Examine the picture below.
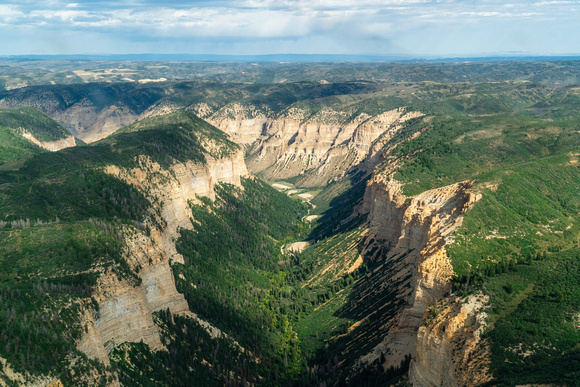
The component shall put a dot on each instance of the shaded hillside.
(70, 235)
(523, 228)
(86, 108)
(523, 231)
(31, 120)
(26, 131)
(34, 188)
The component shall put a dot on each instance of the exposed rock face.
(176, 187)
(450, 351)
(125, 313)
(245, 124)
(91, 111)
(320, 146)
(91, 124)
(52, 146)
(413, 232)
(316, 145)
(10, 374)
(125, 310)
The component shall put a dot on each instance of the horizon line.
(297, 58)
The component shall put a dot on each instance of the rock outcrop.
(245, 124)
(315, 145)
(172, 189)
(312, 143)
(413, 232)
(9, 377)
(90, 111)
(450, 350)
(90, 124)
(52, 146)
(125, 308)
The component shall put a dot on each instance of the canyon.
(395, 248)
(410, 232)
(413, 234)
(125, 309)
(314, 146)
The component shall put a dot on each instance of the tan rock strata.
(125, 310)
(414, 231)
(450, 350)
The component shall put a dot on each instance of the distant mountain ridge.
(300, 58)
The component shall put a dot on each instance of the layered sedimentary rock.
(124, 314)
(316, 145)
(125, 308)
(245, 124)
(173, 189)
(90, 124)
(450, 350)
(412, 232)
(91, 111)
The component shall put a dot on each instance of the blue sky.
(406, 27)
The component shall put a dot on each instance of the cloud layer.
(412, 27)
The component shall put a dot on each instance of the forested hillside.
(418, 225)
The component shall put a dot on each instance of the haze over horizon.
(261, 27)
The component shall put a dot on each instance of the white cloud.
(347, 25)
(10, 12)
(544, 3)
(62, 15)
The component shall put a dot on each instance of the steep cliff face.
(245, 124)
(90, 111)
(173, 189)
(450, 350)
(315, 145)
(413, 233)
(125, 308)
(91, 124)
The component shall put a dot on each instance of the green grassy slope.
(59, 226)
(234, 277)
(12, 121)
(519, 243)
(36, 123)
(13, 146)
(520, 142)
(516, 244)
(60, 217)
(34, 188)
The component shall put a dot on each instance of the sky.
(444, 28)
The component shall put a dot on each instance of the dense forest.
(290, 286)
